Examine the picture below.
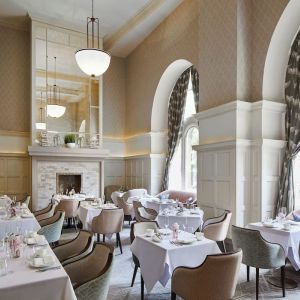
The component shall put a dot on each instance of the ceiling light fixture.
(54, 109)
(92, 61)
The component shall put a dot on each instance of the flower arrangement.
(175, 228)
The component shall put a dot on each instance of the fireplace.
(65, 182)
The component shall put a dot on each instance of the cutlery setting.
(48, 269)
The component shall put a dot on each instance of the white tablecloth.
(158, 260)
(157, 205)
(23, 282)
(4, 201)
(12, 225)
(187, 219)
(289, 240)
(86, 214)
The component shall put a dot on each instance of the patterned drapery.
(292, 125)
(195, 84)
(175, 116)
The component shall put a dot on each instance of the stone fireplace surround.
(47, 162)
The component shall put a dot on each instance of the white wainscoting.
(114, 171)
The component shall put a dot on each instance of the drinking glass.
(190, 229)
(282, 213)
(3, 266)
(166, 223)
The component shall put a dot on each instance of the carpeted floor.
(123, 268)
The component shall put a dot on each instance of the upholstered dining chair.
(90, 275)
(138, 228)
(27, 200)
(108, 190)
(258, 253)
(215, 278)
(70, 207)
(48, 212)
(127, 208)
(43, 210)
(74, 249)
(134, 193)
(51, 227)
(216, 228)
(109, 221)
(141, 213)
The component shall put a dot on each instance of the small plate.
(187, 241)
(270, 225)
(25, 216)
(42, 263)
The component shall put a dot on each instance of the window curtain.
(195, 84)
(286, 196)
(175, 115)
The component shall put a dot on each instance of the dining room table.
(289, 239)
(27, 281)
(158, 260)
(89, 210)
(185, 218)
(158, 204)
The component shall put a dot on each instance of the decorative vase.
(71, 145)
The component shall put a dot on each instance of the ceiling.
(123, 23)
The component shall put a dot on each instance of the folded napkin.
(296, 217)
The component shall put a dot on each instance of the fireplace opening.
(66, 182)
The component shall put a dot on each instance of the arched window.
(183, 168)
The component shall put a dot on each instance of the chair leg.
(98, 237)
(134, 274)
(119, 242)
(142, 287)
(283, 280)
(248, 273)
(74, 220)
(224, 247)
(257, 282)
(103, 238)
(173, 296)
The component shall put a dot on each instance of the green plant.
(69, 138)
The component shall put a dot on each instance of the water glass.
(166, 222)
(3, 266)
(190, 229)
(281, 213)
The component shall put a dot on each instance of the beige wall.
(14, 79)
(215, 35)
(114, 98)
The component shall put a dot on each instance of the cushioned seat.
(76, 248)
(258, 253)
(215, 279)
(90, 275)
(142, 213)
(70, 207)
(51, 227)
(127, 208)
(108, 190)
(48, 213)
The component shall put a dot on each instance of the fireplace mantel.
(68, 152)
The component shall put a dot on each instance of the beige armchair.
(127, 208)
(135, 193)
(43, 210)
(70, 207)
(109, 221)
(48, 213)
(108, 190)
(141, 213)
(216, 228)
(90, 275)
(76, 248)
(215, 279)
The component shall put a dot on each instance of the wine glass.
(166, 224)
(281, 213)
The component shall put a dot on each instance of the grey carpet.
(123, 269)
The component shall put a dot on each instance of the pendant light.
(41, 125)
(91, 60)
(54, 109)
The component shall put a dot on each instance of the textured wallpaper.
(114, 98)
(14, 79)
(227, 40)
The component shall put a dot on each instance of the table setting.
(160, 252)
(186, 218)
(28, 263)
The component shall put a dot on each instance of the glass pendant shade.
(93, 62)
(55, 111)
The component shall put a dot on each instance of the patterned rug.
(123, 269)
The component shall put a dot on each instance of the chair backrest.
(182, 196)
(139, 228)
(47, 214)
(74, 248)
(27, 200)
(136, 204)
(216, 229)
(257, 252)
(108, 221)
(145, 215)
(69, 207)
(216, 278)
(135, 193)
(92, 269)
(127, 208)
(44, 210)
(108, 190)
(51, 227)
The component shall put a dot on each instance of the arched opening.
(277, 56)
